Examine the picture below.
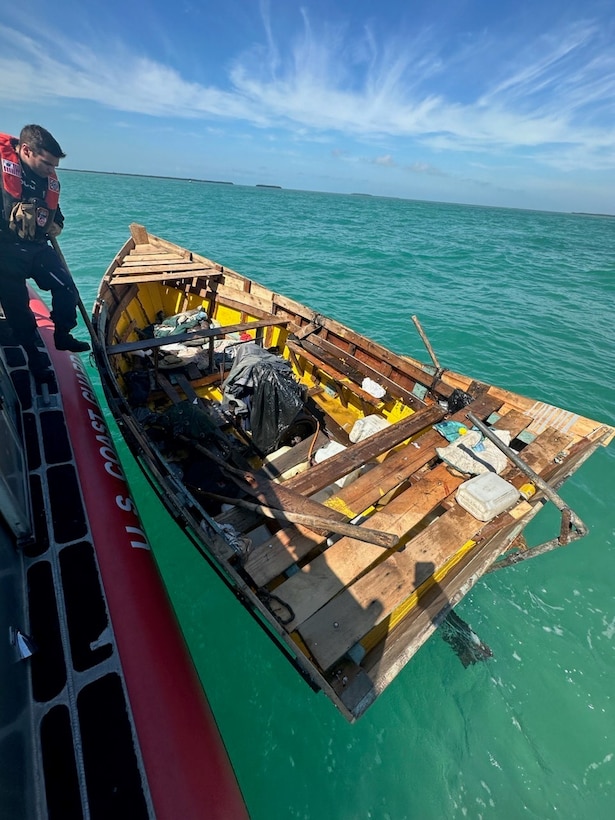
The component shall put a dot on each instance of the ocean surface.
(522, 299)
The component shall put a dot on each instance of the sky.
(488, 102)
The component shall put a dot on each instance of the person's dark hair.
(39, 139)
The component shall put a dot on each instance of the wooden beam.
(348, 617)
(344, 561)
(325, 473)
(287, 547)
(178, 338)
(382, 539)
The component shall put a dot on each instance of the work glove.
(23, 220)
(54, 230)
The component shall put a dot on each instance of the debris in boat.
(240, 543)
(367, 426)
(472, 453)
(373, 388)
(486, 496)
(262, 391)
(458, 399)
(139, 384)
(188, 420)
(451, 430)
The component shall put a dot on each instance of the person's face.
(42, 164)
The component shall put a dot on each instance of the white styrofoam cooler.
(486, 496)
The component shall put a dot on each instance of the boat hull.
(121, 723)
(352, 561)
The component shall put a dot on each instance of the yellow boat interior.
(340, 527)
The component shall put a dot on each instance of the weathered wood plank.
(145, 278)
(286, 548)
(334, 356)
(362, 370)
(343, 562)
(138, 259)
(208, 333)
(405, 364)
(325, 473)
(317, 582)
(343, 380)
(331, 631)
(399, 466)
(162, 266)
(236, 299)
(391, 655)
(280, 551)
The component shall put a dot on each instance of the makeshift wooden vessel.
(103, 714)
(350, 561)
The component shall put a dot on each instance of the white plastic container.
(486, 496)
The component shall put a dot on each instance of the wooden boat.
(92, 724)
(308, 463)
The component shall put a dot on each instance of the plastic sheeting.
(261, 388)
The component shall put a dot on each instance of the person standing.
(31, 216)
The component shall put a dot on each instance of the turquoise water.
(519, 298)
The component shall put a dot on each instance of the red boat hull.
(186, 765)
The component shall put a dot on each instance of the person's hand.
(54, 230)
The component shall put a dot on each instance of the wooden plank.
(328, 524)
(389, 656)
(239, 300)
(369, 488)
(317, 582)
(345, 560)
(337, 626)
(208, 333)
(139, 234)
(155, 260)
(189, 390)
(167, 387)
(280, 551)
(376, 351)
(336, 358)
(339, 465)
(284, 550)
(172, 267)
(280, 497)
(363, 369)
(146, 278)
(342, 380)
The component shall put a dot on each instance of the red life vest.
(12, 189)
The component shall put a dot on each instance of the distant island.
(159, 176)
(354, 193)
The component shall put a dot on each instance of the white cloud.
(552, 104)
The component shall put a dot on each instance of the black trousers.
(20, 261)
